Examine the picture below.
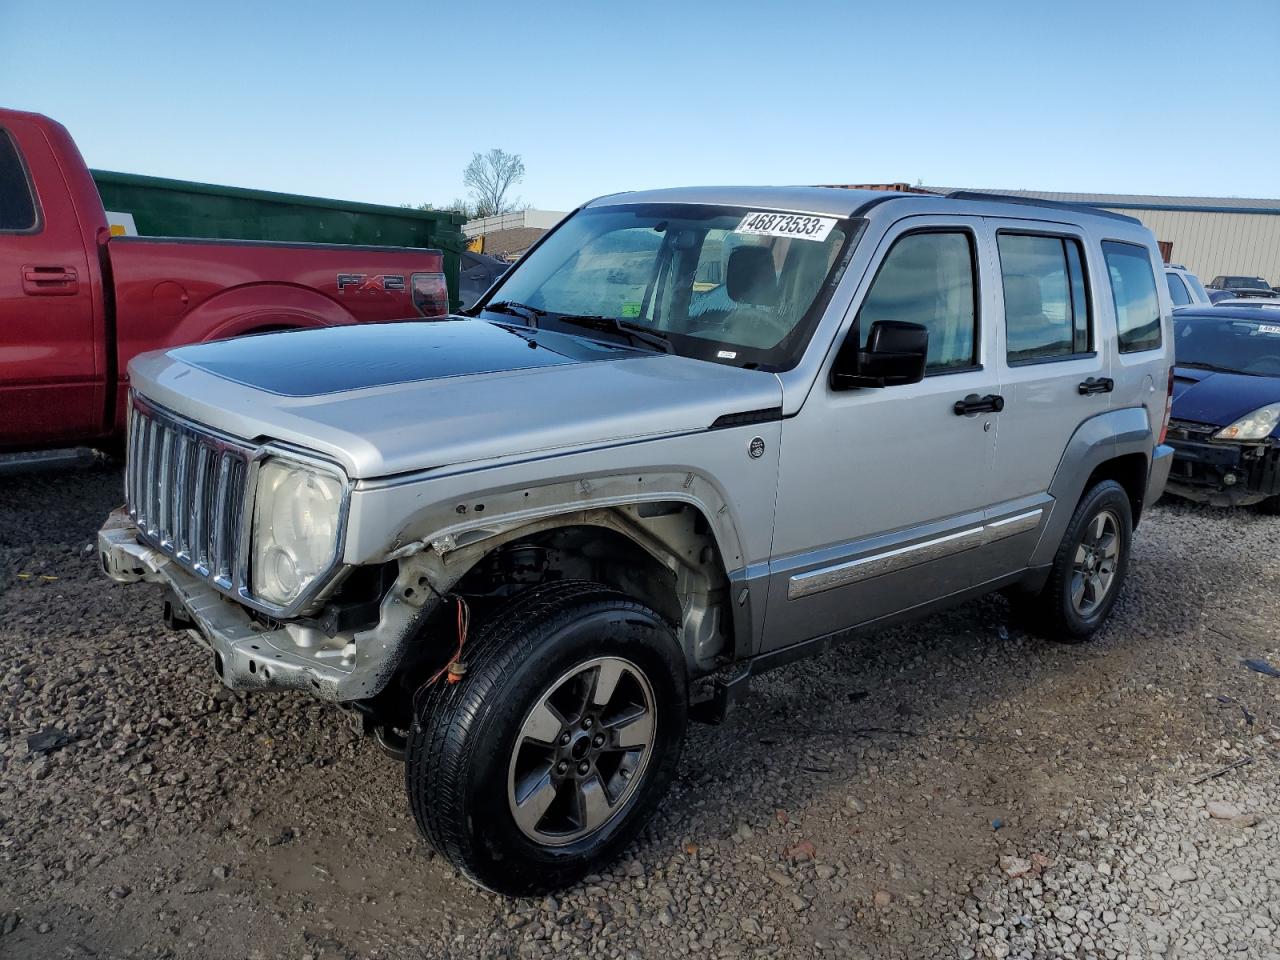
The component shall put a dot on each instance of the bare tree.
(489, 177)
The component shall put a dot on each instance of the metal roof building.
(1208, 235)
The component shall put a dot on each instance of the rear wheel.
(557, 745)
(1088, 570)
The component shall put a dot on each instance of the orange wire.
(464, 622)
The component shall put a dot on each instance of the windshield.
(725, 284)
(1231, 345)
(1246, 283)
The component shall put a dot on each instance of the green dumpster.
(161, 207)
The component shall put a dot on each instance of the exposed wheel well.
(581, 552)
(662, 553)
(1130, 471)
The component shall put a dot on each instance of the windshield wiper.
(636, 331)
(515, 309)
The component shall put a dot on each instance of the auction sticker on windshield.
(796, 225)
(1268, 328)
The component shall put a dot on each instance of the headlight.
(1256, 426)
(295, 528)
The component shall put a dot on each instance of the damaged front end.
(245, 539)
(296, 577)
(1222, 473)
(345, 651)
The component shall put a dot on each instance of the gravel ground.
(954, 788)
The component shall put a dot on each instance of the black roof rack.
(1033, 202)
(883, 195)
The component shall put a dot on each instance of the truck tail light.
(1168, 408)
(430, 294)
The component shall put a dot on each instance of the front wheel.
(1088, 569)
(557, 745)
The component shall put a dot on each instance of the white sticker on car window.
(798, 225)
(1268, 328)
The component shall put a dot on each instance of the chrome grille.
(185, 489)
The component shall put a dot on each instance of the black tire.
(460, 751)
(1053, 613)
(1270, 507)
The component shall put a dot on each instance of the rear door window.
(17, 206)
(1133, 290)
(1045, 306)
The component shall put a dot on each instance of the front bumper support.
(247, 654)
(1223, 473)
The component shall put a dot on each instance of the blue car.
(1225, 427)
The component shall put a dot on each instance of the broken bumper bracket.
(247, 655)
(1225, 474)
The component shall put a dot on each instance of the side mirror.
(895, 355)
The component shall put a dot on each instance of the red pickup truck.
(76, 303)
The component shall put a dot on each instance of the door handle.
(991, 403)
(50, 281)
(1096, 385)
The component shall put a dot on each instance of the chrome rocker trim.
(890, 561)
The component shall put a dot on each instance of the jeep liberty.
(694, 434)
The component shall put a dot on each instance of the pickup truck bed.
(77, 304)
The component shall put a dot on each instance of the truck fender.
(1116, 433)
(255, 307)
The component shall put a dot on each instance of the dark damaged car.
(1225, 429)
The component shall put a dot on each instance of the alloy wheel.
(1094, 566)
(581, 751)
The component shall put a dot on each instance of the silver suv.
(693, 435)
(1185, 288)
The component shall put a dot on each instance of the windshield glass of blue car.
(725, 284)
(1229, 345)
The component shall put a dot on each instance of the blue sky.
(386, 101)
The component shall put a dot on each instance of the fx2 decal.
(393, 282)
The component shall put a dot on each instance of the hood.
(1252, 293)
(1205, 396)
(385, 399)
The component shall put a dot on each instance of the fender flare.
(1104, 437)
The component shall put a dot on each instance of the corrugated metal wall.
(1209, 244)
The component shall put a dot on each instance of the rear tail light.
(430, 294)
(1168, 408)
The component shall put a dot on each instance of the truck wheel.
(554, 749)
(1088, 570)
